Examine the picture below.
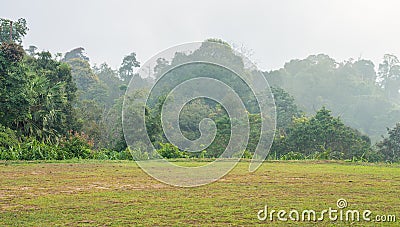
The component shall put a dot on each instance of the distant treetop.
(12, 31)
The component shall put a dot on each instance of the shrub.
(75, 145)
(247, 155)
(373, 156)
(293, 156)
(8, 138)
(9, 144)
(137, 154)
(125, 154)
(244, 154)
(32, 149)
(168, 150)
(100, 154)
(113, 155)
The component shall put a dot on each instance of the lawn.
(114, 193)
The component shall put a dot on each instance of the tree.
(127, 67)
(83, 76)
(365, 70)
(322, 135)
(90, 117)
(54, 94)
(161, 67)
(286, 109)
(389, 76)
(76, 53)
(389, 147)
(15, 95)
(12, 31)
(31, 50)
(197, 110)
(113, 132)
(191, 115)
(36, 93)
(348, 88)
(112, 83)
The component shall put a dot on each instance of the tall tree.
(76, 53)
(389, 147)
(36, 93)
(15, 96)
(389, 76)
(129, 63)
(286, 108)
(323, 134)
(31, 50)
(114, 86)
(12, 31)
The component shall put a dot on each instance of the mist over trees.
(59, 106)
(363, 98)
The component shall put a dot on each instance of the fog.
(272, 32)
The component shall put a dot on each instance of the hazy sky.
(275, 31)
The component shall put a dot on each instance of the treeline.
(61, 107)
(364, 98)
(58, 106)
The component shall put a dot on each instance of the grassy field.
(113, 193)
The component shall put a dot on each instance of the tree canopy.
(60, 106)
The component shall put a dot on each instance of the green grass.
(114, 193)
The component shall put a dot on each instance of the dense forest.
(59, 106)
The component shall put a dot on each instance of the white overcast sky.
(276, 31)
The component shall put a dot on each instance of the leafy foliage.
(168, 150)
(389, 147)
(319, 136)
(78, 53)
(36, 95)
(127, 67)
(286, 108)
(350, 89)
(389, 76)
(12, 31)
(76, 145)
(8, 143)
(54, 107)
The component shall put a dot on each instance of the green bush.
(104, 154)
(137, 154)
(168, 150)
(125, 155)
(244, 154)
(75, 145)
(113, 155)
(293, 156)
(10, 154)
(247, 155)
(373, 156)
(323, 154)
(32, 149)
(100, 154)
(9, 145)
(321, 136)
